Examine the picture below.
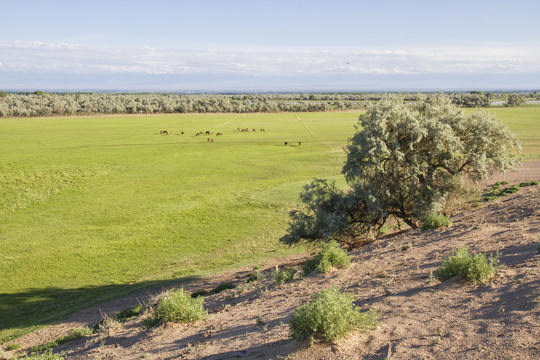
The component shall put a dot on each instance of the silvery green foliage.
(403, 162)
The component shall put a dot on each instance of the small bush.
(222, 287)
(434, 221)
(330, 315)
(332, 256)
(283, 276)
(476, 268)
(179, 306)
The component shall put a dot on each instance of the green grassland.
(96, 207)
(91, 204)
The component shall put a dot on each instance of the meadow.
(92, 208)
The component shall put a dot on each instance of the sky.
(269, 45)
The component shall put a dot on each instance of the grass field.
(90, 206)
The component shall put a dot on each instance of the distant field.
(525, 122)
(89, 205)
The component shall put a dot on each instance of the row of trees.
(40, 103)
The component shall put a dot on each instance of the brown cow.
(219, 134)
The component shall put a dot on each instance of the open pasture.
(91, 204)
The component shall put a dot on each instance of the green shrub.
(222, 287)
(434, 221)
(255, 276)
(200, 292)
(179, 306)
(332, 256)
(75, 334)
(283, 276)
(330, 315)
(476, 268)
(309, 265)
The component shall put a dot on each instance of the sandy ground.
(420, 317)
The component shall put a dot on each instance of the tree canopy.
(403, 162)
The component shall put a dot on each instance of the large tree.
(403, 162)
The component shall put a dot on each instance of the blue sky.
(237, 45)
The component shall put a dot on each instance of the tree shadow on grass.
(21, 311)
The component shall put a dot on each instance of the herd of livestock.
(208, 133)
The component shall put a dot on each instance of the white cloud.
(78, 59)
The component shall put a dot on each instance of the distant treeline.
(40, 103)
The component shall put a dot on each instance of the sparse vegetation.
(222, 287)
(496, 192)
(48, 355)
(435, 221)
(476, 268)
(178, 306)
(13, 346)
(121, 317)
(283, 276)
(528, 183)
(74, 334)
(330, 315)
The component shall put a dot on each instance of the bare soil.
(420, 317)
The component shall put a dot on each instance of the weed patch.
(475, 268)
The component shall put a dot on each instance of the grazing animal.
(208, 132)
(210, 140)
(262, 130)
(299, 143)
(286, 143)
(182, 133)
(199, 133)
(219, 134)
(253, 130)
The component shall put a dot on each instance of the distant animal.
(199, 133)
(210, 140)
(208, 132)
(286, 143)
(182, 133)
(219, 134)
(262, 130)
(299, 143)
(165, 132)
(253, 130)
